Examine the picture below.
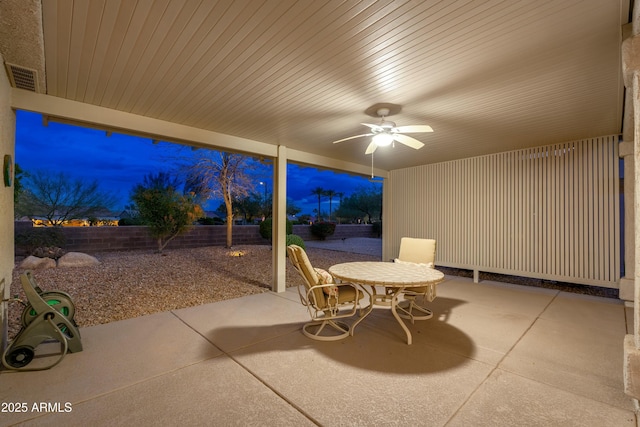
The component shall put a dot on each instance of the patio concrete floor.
(494, 354)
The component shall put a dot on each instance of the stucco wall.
(7, 147)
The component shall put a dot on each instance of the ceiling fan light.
(382, 139)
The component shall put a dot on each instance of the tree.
(365, 201)
(266, 206)
(292, 209)
(220, 174)
(318, 191)
(340, 196)
(250, 206)
(330, 194)
(166, 211)
(18, 188)
(58, 198)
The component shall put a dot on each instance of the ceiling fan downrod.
(371, 165)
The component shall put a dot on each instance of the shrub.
(322, 229)
(130, 221)
(210, 221)
(294, 239)
(266, 228)
(39, 237)
(167, 212)
(377, 228)
(52, 252)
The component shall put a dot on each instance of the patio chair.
(418, 251)
(325, 300)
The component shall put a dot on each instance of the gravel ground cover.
(136, 283)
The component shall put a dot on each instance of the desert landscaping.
(128, 284)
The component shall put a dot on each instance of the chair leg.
(408, 309)
(335, 330)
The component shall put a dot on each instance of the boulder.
(33, 262)
(77, 259)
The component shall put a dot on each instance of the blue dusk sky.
(119, 162)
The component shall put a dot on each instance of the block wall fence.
(100, 239)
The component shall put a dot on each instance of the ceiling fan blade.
(371, 148)
(408, 140)
(414, 129)
(376, 128)
(352, 137)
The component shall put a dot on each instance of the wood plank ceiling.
(488, 76)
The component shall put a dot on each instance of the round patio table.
(398, 276)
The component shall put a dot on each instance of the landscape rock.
(33, 263)
(77, 259)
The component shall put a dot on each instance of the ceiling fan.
(387, 132)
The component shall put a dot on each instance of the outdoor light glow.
(382, 139)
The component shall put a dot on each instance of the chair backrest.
(421, 251)
(300, 261)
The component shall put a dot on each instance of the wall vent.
(22, 77)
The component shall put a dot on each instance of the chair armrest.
(333, 302)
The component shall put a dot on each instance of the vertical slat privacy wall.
(549, 212)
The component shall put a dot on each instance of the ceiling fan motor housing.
(385, 126)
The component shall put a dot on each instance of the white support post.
(387, 198)
(279, 220)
